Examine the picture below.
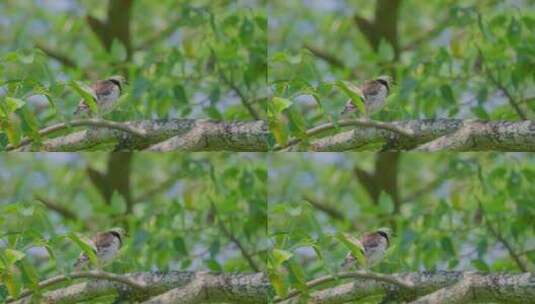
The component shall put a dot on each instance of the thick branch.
(208, 288)
(163, 135)
(100, 275)
(83, 122)
(363, 123)
(485, 288)
(435, 135)
(228, 287)
(362, 275)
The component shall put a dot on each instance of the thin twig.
(366, 123)
(66, 213)
(82, 122)
(240, 94)
(332, 212)
(501, 87)
(63, 59)
(329, 58)
(501, 239)
(237, 242)
(345, 275)
(76, 275)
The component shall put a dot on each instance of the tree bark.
(435, 287)
(157, 287)
(162, 135)
(435, 135)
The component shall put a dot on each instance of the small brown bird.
(106, 245)
(105, 92)
(375, 245)
(374, 95)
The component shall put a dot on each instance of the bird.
(375, 244)
(106, 246)
(374, 93)
(105, 93)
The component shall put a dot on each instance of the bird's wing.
(370, 88)
(371, 240)
(103, 88)
(104, 240)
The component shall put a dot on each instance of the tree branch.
(100, 275)
(207, 288)
(355, 275)
(325, 208)
(160, 135)
(365, 123)
(435, 135)
(82, 122)
(484, 287)
(66, 213)
(141, 286)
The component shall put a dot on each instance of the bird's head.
(120, 80)
(386, 80)
(120, 231)
(386, 232)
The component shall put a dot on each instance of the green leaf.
(385, 51)
(278, 283)
(354, 245)
(118, 204)
(11, 125)
(298, 274)
(386, 205)
(13, 256)
(514, 31)
(118, 51)
(86, 245)
(354, 93)
(86, 93)
(447, 94)
(14, 104)
(30, 272)
(279, 104)
(280, 256)
(180, 94)
(480, 265)
(12, 283)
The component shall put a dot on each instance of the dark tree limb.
(325, 208)
(116, 25)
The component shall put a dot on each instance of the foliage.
(181, 205)
(466, 61)
(200, 59)
(450, 204)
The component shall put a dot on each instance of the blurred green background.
(182, 211)
(449, 59)
(448, 211)
(194, 59)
